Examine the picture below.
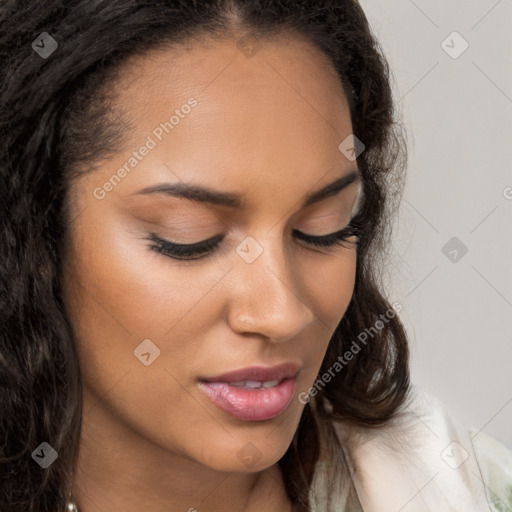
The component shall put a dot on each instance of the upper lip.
(257, 373)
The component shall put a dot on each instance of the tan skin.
(266, 127)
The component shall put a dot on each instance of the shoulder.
(424, 460)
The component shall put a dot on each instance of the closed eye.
(200, 250)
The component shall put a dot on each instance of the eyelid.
(199, 245)
(218, 238)
(204, 249)
(320, 237)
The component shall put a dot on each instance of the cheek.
(331, 280)
(118, 293)
(136, 289)
(330, 287)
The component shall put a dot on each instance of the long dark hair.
(56, 118)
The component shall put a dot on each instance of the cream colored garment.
(495, 461)
(425, 461)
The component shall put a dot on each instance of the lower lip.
(251, 404)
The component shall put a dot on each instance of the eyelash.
(200, 250)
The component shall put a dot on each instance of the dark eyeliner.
(340, 237)
(202, 249)
(184, 252)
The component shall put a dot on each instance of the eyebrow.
(207, 195)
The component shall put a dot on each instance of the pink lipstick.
(253, 394)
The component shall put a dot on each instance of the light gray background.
(457, 113)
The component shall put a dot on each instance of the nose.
(266, 295)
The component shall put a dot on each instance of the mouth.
(255, 393)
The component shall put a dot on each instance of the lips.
(253, 394)
(256, 374)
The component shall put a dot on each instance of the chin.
(246, 456)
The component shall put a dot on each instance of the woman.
(196, 198)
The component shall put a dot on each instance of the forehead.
(274, 117)
(282, 73)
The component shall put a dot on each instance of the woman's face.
(261, 124)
